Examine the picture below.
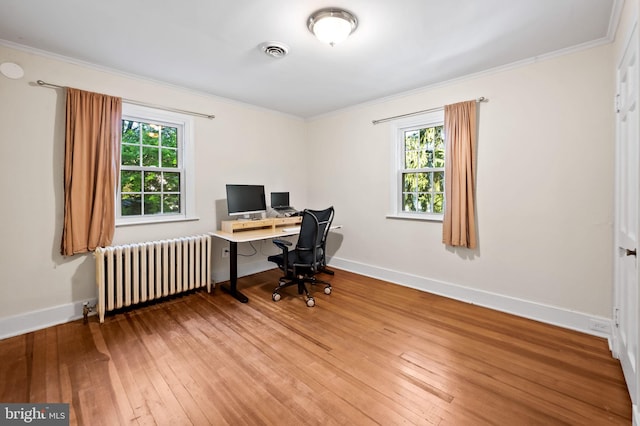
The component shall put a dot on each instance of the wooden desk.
(281, 227)
(236, 232)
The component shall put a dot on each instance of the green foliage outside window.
(423, 174)
(149, 153)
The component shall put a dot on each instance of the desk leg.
(233, 274)
(325, 270)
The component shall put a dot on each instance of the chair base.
(302, 288)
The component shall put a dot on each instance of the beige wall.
(544, 183)
(544, 186)
(243, 144)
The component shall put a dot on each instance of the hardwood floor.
(370, 353)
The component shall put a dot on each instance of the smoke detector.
(275, 49)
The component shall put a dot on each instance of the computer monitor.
(245, 200)
(279, 200)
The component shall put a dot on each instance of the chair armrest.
(282, 244)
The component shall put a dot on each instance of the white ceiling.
(212, 45)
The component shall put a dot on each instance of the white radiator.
(135, 273)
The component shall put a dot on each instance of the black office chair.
(301, 265)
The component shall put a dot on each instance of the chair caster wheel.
(327, 290)
(275, 297)
(310, 302)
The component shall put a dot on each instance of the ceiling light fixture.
(332, 25)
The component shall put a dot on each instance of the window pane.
(427, 136)
(408, 203)
(439, 137)
(438, 158)
(152, 204)
(170, 137)
(423, 158)
(408, 182)
(169, 158)
(130, 131)
(150, 157)
(130, 181)
(131, 205)
(171, 203)
(438, 203)
(426, 159)
(424, 182)
(130, 155)
(424, 202)
(411, 160)
(152, 182)
(171, 182)
(411, 140)
(150, 134)
(438, 181)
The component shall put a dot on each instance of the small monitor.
(279, 200)
(245, 200)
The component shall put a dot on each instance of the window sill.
(420, 217)
(157, 221)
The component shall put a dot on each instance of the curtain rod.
(129, 101)
(424, 111)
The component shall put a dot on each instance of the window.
(155, 166)
(418, 167)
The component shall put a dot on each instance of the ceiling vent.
(275, 49)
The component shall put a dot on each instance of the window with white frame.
(418, 167)
(156, 166)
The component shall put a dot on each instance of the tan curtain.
(459, 226)
(91, 168)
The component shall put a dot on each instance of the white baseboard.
(37, 320)
(540, 312)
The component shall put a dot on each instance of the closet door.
(625, 334)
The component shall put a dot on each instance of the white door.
(626, 293)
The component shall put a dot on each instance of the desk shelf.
(273, 223)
